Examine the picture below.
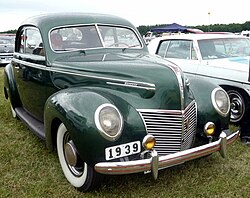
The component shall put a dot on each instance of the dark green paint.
(68, 87)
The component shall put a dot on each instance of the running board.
(36, 126)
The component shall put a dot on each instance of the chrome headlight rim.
(213, 98)
(99, 126)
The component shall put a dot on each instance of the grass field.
(28, 169)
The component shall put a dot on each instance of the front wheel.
(77, 172)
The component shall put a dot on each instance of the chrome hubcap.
(72, 159)
(237, 106)
(70, 153)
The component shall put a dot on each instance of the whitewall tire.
(81, 176)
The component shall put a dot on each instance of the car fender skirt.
(149, 165)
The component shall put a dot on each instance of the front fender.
(10, 88)
(202, 90)
(76, 107)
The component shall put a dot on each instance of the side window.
(207, 49)
(162, 48)
(180, 49)
(34, 44)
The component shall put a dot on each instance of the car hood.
(127, 66)
(235, 63)
(137, 72)
(233, 69)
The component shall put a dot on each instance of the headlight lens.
(221, 101)
(109, 121)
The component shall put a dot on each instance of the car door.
(29, 67)
(181, 52)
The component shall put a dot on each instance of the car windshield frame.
(93, 36)
(218, 48)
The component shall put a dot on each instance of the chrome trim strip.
(176, 112)
(34, 65)
(124, 26)
(120, 82)
(6, 54)
(97, 77)
(99, 34)
(178, 73)
(118, 168)
(224, 79)
(131, 84)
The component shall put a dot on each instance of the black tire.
(81, 176)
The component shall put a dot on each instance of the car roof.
(7, 34)
(200, 36)
(51, 20)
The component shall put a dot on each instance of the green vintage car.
(86, 84)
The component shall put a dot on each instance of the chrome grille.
(4, 56)
(174, 130)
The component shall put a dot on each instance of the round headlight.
(221, 101)
(108, 121)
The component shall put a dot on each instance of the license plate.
(122, 150)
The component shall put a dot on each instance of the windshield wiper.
(82, 51)
(131, 46)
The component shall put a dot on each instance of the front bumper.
(154, 163)
(5, 58)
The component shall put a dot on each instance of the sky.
(146, 12)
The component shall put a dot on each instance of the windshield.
(93, 36)
(224, 48)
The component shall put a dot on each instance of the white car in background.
(7, 42)
(220, 58)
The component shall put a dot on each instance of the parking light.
(149, 142)
(209, 128)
